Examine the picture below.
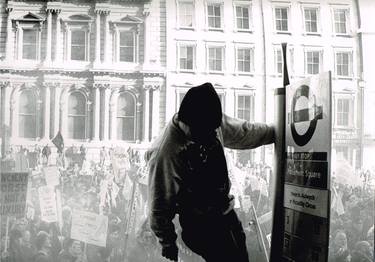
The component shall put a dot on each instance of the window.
(343, 112)
(278, 61)
(29, 44)
(77, 114)
(245, 111)
(343, 64)
(311, 20)
(126, 117)
(243, 17)
(127, 46)
(186, 57)
(342, 153)
(244, 60)
(340, 20)
(78, 45)
(281, 19)
(312, 62)
(215, 58)
(214, 15)
(186, 14)
(244, 107)
(27, 115)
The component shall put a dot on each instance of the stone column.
(146, 114)
(97, 37)
(47, 111)
(107, 44)
(146, 28)
(56, 117)
(112, 120)
(96, 113)
(105, 120)
(9, 55)
(58, 50)
(49, 36)
(4, 89)
(155, 112)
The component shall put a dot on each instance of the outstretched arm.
(240, 134)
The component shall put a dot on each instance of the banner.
(89, 227)
(13, 193)
(47, 200)
(308, 136)
(51, 174)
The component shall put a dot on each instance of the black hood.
(201, 108)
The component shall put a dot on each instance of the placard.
(47, 200)
(89, 227)
(13, 193)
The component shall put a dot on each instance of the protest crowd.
(81, 209)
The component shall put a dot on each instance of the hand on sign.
(231, 205)
(170, 252)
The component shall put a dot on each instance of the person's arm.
(241, 134)
(163, 189)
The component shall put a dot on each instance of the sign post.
(306, 201)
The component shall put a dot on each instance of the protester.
(189, 177)
(43, 246)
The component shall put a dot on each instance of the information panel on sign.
(307, 173)
(89, 227)
(13, 193)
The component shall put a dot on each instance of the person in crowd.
(43, 246)
(46, 152)
(15, 254)
(27, 249)
(362, 252)
(71, 252)
(339, 251)
(189, 176)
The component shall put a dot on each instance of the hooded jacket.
(168, 168)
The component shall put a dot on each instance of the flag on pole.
(58, 141)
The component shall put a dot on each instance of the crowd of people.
(115, 185)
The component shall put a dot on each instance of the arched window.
(77, 115)
(27, 115)
(126, 116)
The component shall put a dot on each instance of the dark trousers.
(215, 238)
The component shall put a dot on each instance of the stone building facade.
(92, 69)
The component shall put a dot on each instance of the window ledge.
(312, 34)
(215, 29)
(186, 71)
(343, 128)
(283, 32)
(342, 35)
(185, 28)
(338, 77)
(243, 30)
(239, 73)
(216, 72)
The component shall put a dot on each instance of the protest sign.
(51, 174)
(89, 227)
(308, 152)
(47, 199)
(13, 193)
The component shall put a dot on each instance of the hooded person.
(188, 176)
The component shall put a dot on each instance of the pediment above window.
(127, 21)
(29, 20)
(79, 18)
(30, 17)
